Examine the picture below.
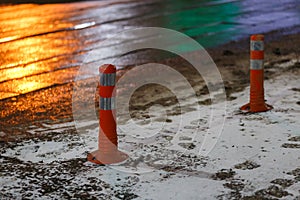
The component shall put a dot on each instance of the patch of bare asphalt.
(293, 143)
(295, 139)
(283, 182)
(224, 174)
(296, 173)
(272, 191)
(291, 146)
(233, 184)
(296, 89)
(247, 165)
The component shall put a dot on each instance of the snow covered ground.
(256, 156)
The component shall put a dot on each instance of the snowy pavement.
(256, 156)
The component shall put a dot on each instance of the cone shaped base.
(102, 158)
(253, 109)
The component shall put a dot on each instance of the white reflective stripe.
(256, 64)
(108, 79)
(256, 45)
(107, 103)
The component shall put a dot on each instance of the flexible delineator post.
(257, 100)
(107, 152)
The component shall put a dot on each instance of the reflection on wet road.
(43, 45)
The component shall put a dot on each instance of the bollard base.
(101, 158)
(254, 109)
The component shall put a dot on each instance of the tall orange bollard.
(107, 152)
(257, 100)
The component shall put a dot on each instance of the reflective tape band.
(256, 64)
(256, 45)
(107, 103)
(107, 79)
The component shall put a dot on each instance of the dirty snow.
(256, 155)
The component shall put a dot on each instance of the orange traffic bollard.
(107, 152)
(257, 100)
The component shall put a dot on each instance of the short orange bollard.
(257, 100)
(107, 152)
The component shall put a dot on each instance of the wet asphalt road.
(42, 46)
